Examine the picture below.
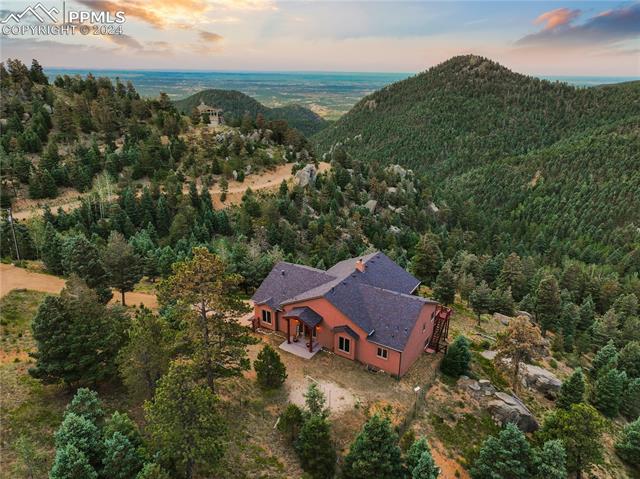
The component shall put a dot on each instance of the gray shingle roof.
(307, 315)
(377, 299)
(287, 280)
(346, 329)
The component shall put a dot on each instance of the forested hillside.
(64, 135)
(529, 165)
(236, 105)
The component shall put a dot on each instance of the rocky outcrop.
(306, 176)
(509, 409)
(371, 205)
(502, 318)
(540, 379)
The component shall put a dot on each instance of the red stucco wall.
(361, 350)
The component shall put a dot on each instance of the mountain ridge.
(235, 104)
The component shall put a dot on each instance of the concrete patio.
(300, 349)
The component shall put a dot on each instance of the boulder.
(306, 175)
(540, 379)
(371, 205)
(393, 229)
(433, 207)
(509, 409)
(502, 318)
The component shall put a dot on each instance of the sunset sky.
(544, 38)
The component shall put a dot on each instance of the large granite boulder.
(371, 205)
(540, 379)
(509, 409)
(502, 318)
(306, 175)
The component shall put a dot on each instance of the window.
(424, 327)
(266, 317)
(383, 353)
(344, 344)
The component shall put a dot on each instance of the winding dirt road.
(269, 180)
(12, 277)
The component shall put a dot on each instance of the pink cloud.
(556, 18)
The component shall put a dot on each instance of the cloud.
(124, 41)
(210, 36)
(162, 14)
(556, 18)
(603, 30)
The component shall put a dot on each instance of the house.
(363, 309)
(215, 114)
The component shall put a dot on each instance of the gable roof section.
(388, 317)
(380, 271)
(305, 314)
(287, 280)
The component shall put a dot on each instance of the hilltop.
(503, 149)
(236, 104)
(468, 111)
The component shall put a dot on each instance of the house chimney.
(360, 266)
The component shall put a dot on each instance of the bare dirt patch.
(12, 277)
(339, 399)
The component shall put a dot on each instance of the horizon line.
(343, 72)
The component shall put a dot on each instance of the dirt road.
(70, 199)
(12, 277)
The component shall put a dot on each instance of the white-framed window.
(424, 327)
(344, 344)
(266, 316)
(383, 353)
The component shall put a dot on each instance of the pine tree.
(184, 423)
(481, 299)
(580, 429)
(121, 263)
(70, 463)
(630, 406)
(628, 445)
(445, 287)
(548, 303)
(551, 461)
(572, 390)
(147, 354)
(270, 370)
(629, 359)
(121, 423)
(220, 341)
(605, 358)
(507, 456)
(315, 401)
(419, 462)
(426, 468)
(151, 470)
(86, 404)
(81, 257)
(512, 276)
(607, 393)
(52, 250)
(291, 421)
(163, 221)
(374, 453)
(121, 459)
(456, 361)
(315, 448)
(71, 348)
(587, 315)
(81, 433)
(427, 260)
(414, 453)
(502, 302)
